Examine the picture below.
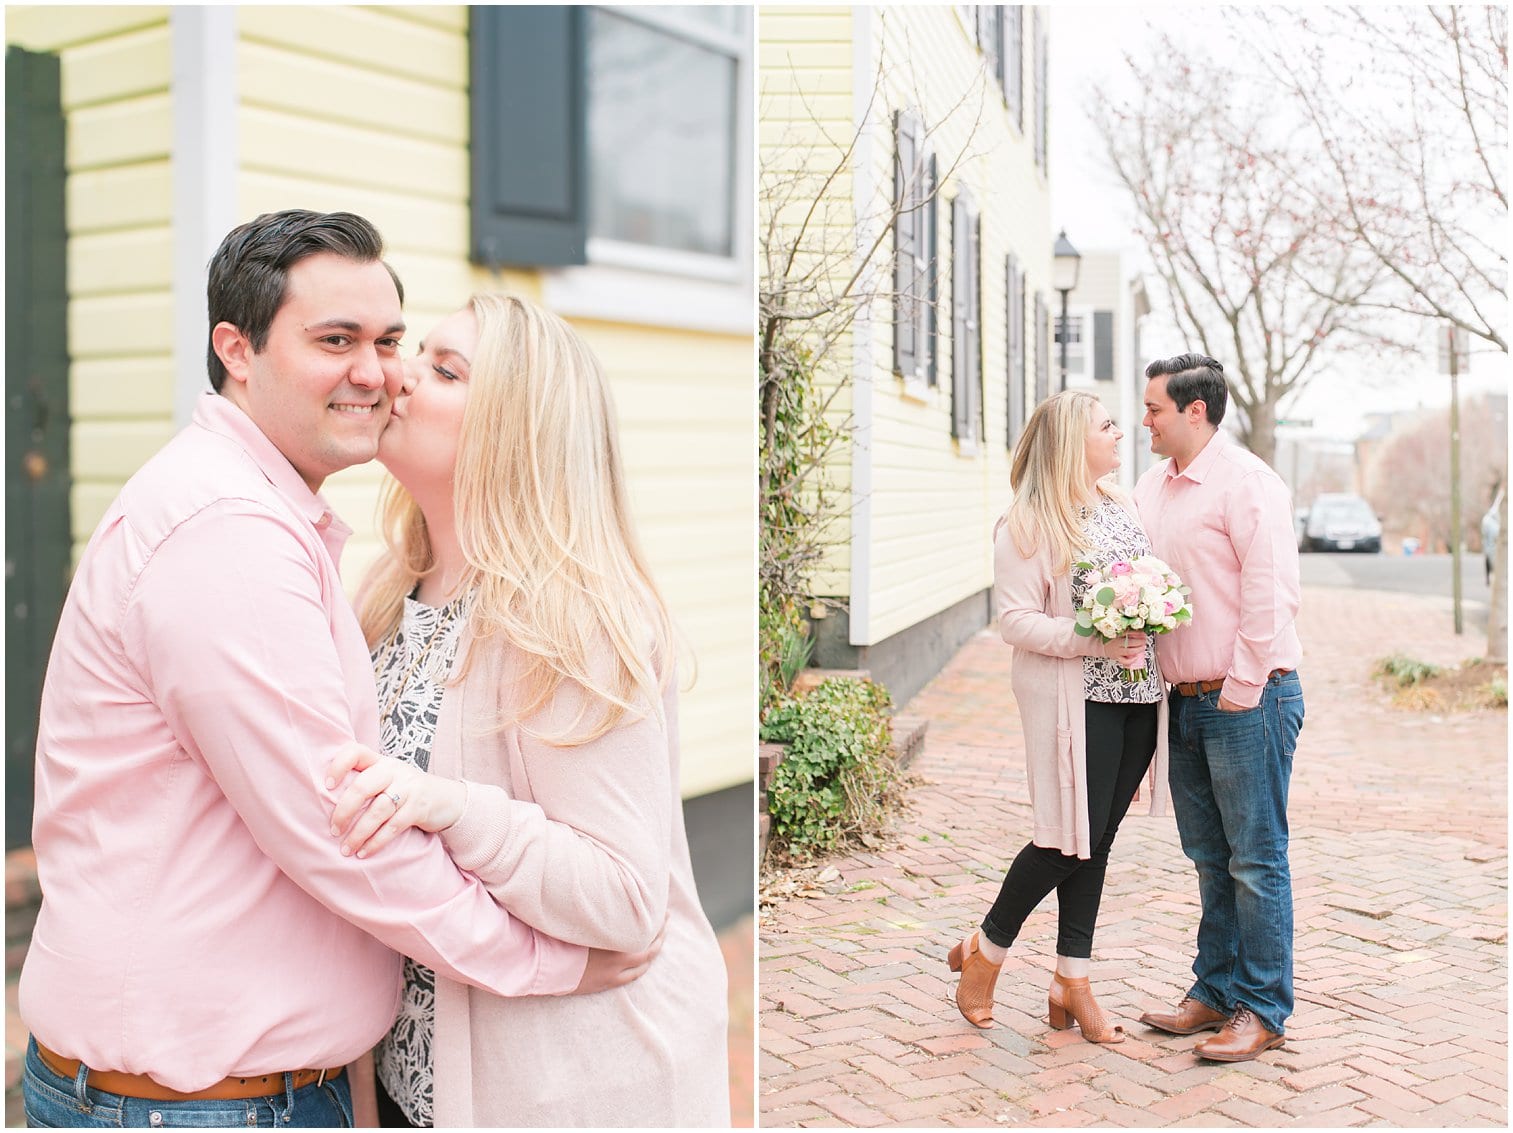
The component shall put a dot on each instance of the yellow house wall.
(932, 501)
(805, 123)
(366, 109)
(115, 69)
(935, 500)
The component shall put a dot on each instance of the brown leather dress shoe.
(1189, 1018)
(1242, 1039)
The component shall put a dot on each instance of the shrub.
(838, 777)
(1405, 670)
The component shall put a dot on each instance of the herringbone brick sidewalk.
(1399, 857)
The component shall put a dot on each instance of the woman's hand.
(367, 813)
(1129, 650)
(605, 970)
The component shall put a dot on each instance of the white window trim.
(626, 295)
(642, 283)
(920, 390)
(1084, 319)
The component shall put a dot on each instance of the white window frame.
(1082, 319)
(640, 283)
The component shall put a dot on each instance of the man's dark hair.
(1193, 377)
(249, 272)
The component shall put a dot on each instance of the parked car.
(1341, 522)
(1300, 527)
(1490, 523)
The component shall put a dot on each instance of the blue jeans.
(1229, 773)
(53, 1101)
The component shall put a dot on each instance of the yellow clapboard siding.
(113, 450)
(416, 223)
(775, 58)
(54, 27)
(365, 37)
(323, 150)
(136, 259)
(435, 286)
(931, 504)
(88, 500)
(447, 17)
(810, 25)
(730, 749)
(391, 105)
(120, 132)
(128, 65)
(105, 325)
(127, 196)
(122, 387)
(831, 108)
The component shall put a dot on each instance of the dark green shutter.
(932, 280)
(1042, 352)
(1103, 345)
(907, 232)
(529, 135)
(1014, 339)
(37, 528)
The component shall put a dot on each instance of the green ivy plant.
(838, 776)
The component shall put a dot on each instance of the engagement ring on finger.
(395, 797)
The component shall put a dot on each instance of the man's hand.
(606, 969)
(1227, 705)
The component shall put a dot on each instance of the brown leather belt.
(1193, 688)
(141, 1086)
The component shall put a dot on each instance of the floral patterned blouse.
(1111, 533)
(411, 669)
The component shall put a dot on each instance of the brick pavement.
(1399, 855)
(737, 944)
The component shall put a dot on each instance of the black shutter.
(990, 37)
(1013, 70)
(907, 234)
(932, 279)
(1038, 66)
(961, 238)
(1014, 338)
(528, 100)
(38, 540)
(974, 329)
(1043, 85)
(1103, 346)
(1042, 352)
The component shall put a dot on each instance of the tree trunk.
(1497, 616)
(1262, 439)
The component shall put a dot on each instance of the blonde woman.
(1090, 734)
(525, 668)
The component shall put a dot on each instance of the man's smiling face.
(321, 387)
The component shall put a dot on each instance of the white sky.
(1087, 47)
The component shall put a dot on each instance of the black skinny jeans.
(1121, 740)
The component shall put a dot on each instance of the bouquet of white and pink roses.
(1132, 594)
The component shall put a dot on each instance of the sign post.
(1453, 348)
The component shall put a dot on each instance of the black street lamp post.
(1067, 265)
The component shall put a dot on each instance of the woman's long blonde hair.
(1049, 475)
(544, 522)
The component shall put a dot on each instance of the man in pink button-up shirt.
(200, 926)
(1223, 520)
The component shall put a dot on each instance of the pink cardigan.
(1035, 616)
(586, 844)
